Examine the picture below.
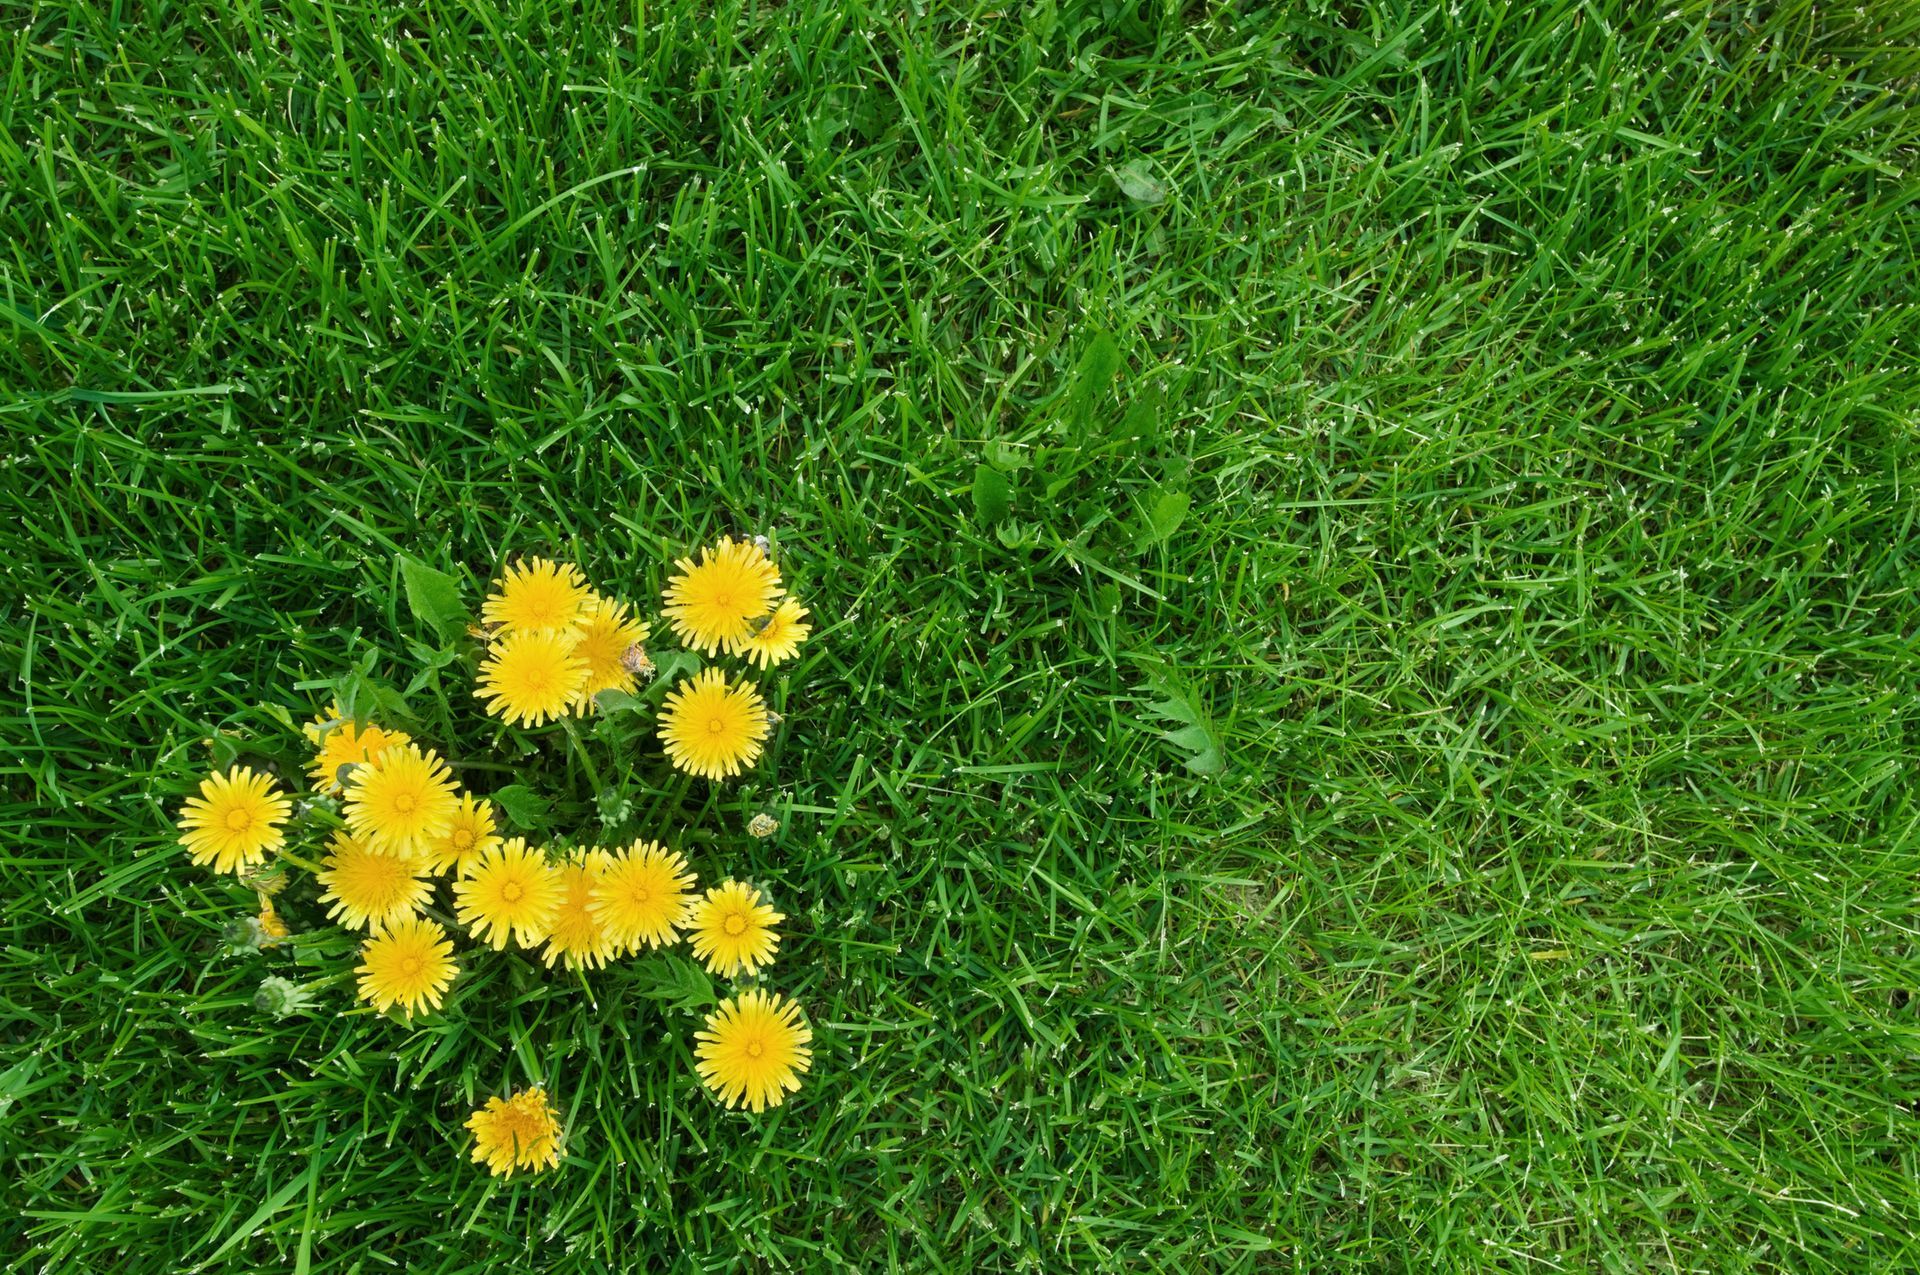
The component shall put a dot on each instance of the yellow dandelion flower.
(535, 594)
(531, 677)
(607, 633)
(470, 835)
(511, 890)
(409, 965)
(339, 743)
(234, 821)
(521, 1131)
(715, 603)
(754, 1050)
(712, 728)
(577, 931)
(779, 638)
(733, 930)
(401, 801)
(643, 894)
(369, 891)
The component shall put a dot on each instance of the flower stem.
(580, 751)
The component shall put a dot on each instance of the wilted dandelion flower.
(401, 801)
(511, 891)
(272, 929)
(265, 882)
(733, 930)
(234, 821)
(469, 835)
(339, 742)
(779, 638)
(532, 677)
(369, 891)
(535, 594)
(410, 965)
(754, 1050)
(607, 633)
(642, 895)
(762, 825)
(577, 931)
(715, 603)
(246, 934)
(521, 1131)
(711, 728)
(637, 662)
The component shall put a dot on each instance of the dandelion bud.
(282, 999)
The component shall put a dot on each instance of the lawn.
(1365, 699)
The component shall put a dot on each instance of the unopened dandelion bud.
(281, 998)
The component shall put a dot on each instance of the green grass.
(1542, 384)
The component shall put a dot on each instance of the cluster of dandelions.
(406, 829)
(555, 646)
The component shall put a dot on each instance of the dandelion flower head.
(713, 604)
(754, 1050)
(607, 633)
(401, 801)
(733, 930)
(369, 891)
(576, 931)
(339, 743)
(712, 728)
(643, 895)
(779, 638)
(512, 892)
(535, 594)
(410, 964)
(235, 821)
(521, 1131)
(532, 677)
(469, 835)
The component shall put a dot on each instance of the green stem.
(580, 751)
(298, 861)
